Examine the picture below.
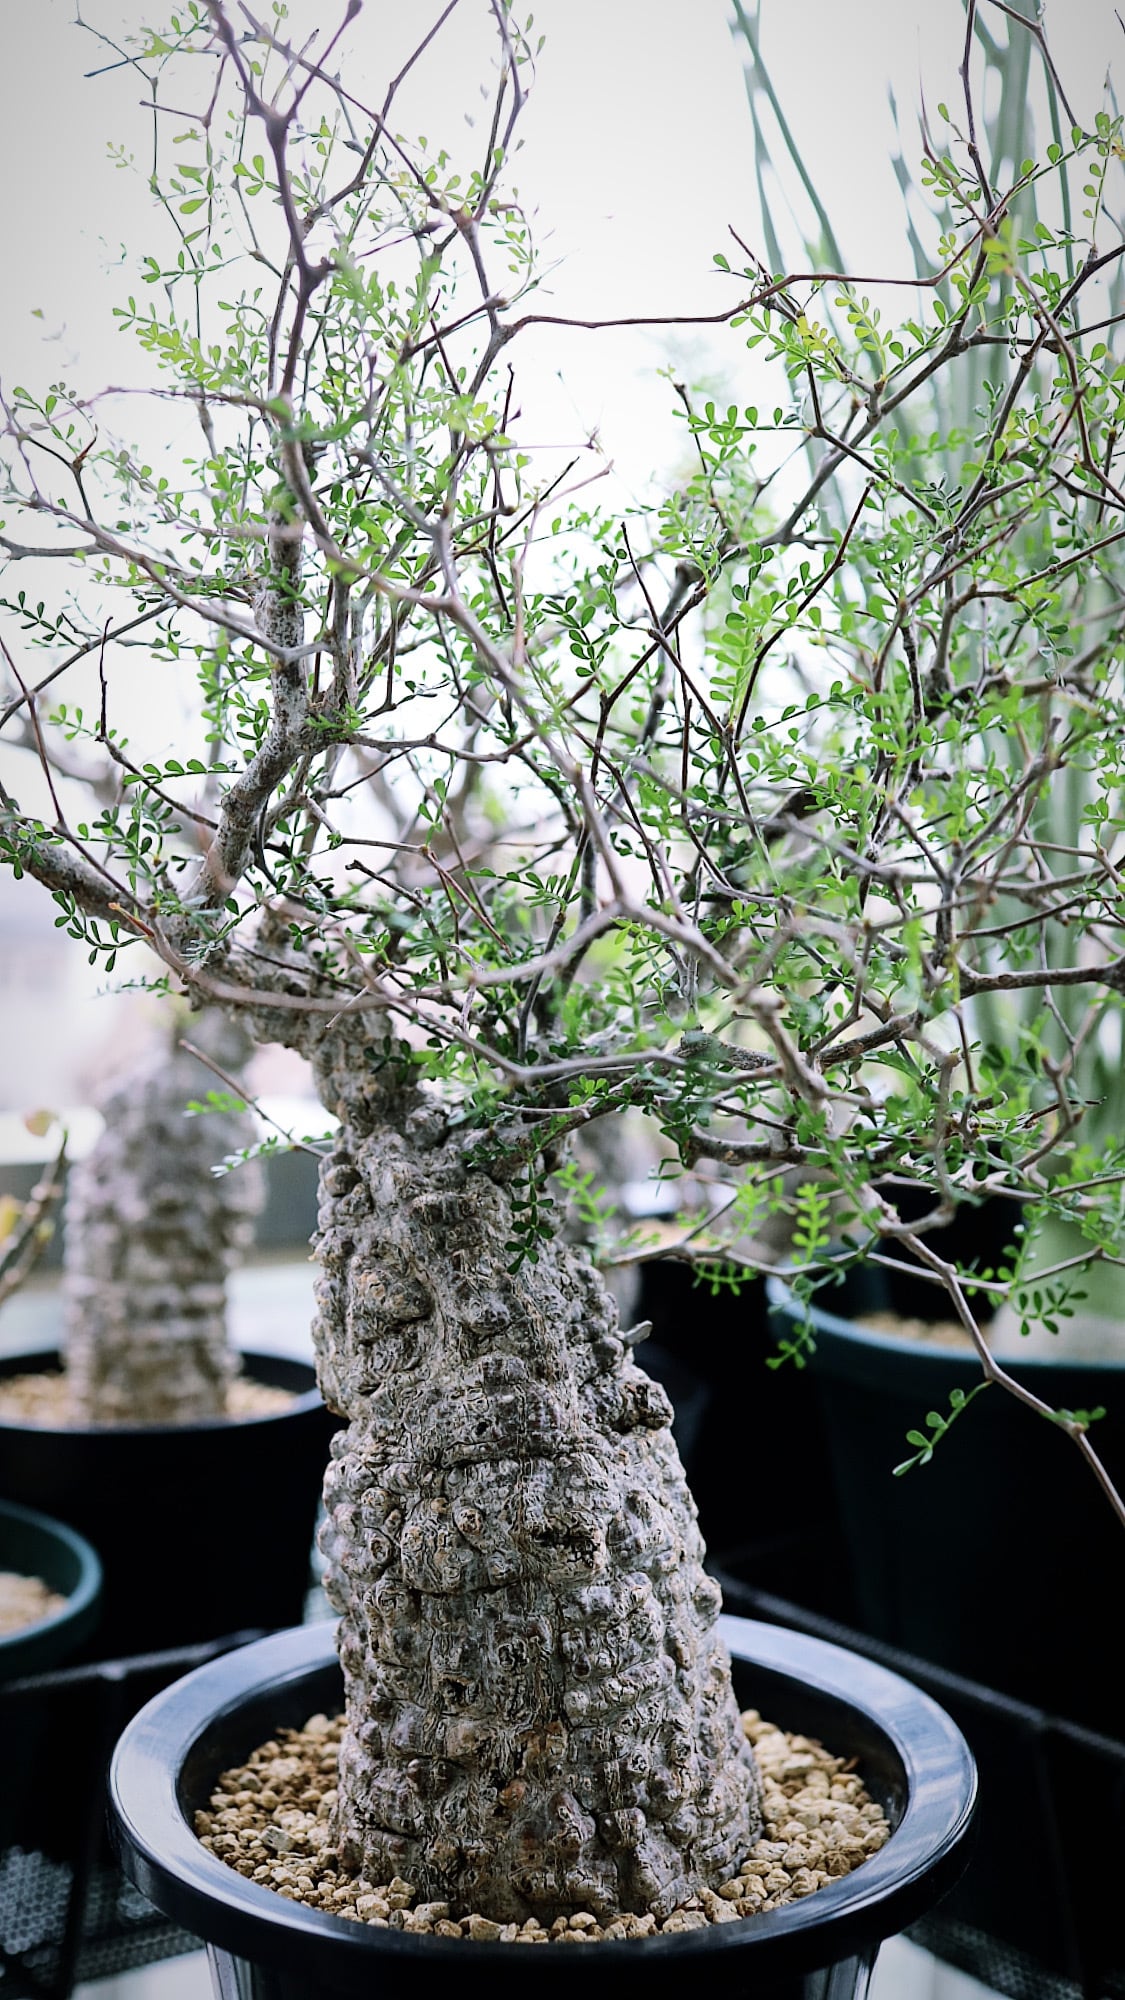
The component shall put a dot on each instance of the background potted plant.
(144, 1392)
(40, 1626)
(50, 1579)
(751, 764)
(152, 1231)
(1009, 1600)
(133, 1399)
(50, 1597)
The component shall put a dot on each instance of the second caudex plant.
(151, 1233)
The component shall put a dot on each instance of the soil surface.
(935, 1332)
(25, 1600)
(45, 1399)
(272, 1820)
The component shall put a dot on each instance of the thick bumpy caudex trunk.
(150, 1236)
(539, 1709)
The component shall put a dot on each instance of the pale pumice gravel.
(45, 1399)
(271, 1820)
(25, 1600)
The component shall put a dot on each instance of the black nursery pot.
(263, 1947)
(202, 1529)
(33, 1545)
(711, 1351)
(996, 1560)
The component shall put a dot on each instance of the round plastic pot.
(33, 1545)
(997, 1558)
(203, 1529)
(264, 1947)
(711, 1350)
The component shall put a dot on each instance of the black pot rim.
(49, 1360)
(952, 1360)
(78, 1613)
(162, 1855)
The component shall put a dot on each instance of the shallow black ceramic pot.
(1000, 1560)
(263, 1947)
(202, 1529)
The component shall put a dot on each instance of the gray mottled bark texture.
(539, 1708)
(150, 1236)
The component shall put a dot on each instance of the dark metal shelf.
(66, 1911)
(1036, 1915)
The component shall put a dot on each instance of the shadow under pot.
(203, 1529)
(262, 1946)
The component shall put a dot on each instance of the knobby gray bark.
(150, 1236)
(539, 1708)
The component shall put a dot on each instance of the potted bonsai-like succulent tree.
(749, 758)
